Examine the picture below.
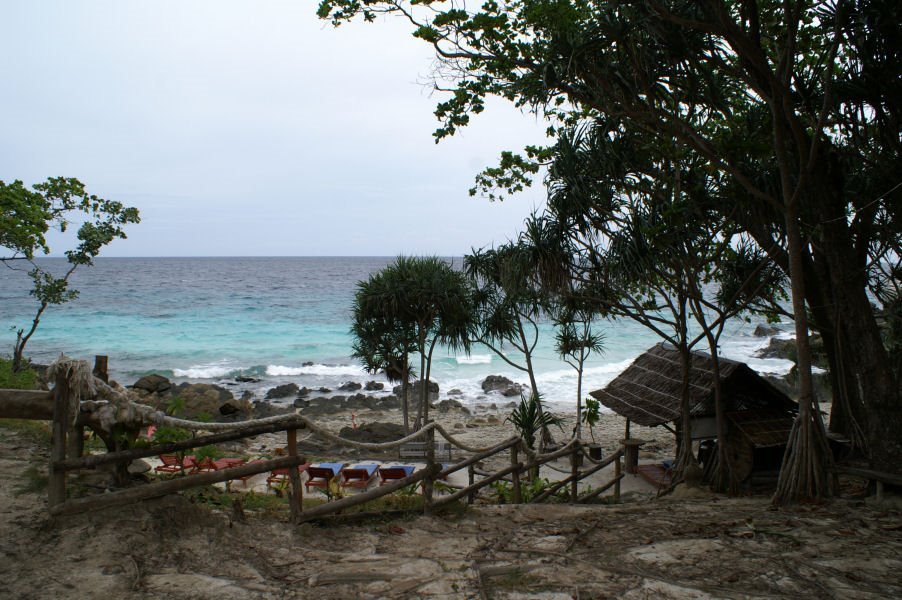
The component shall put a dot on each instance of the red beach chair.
(358, 476)
(394, 473)
(322, 474)
(172, 464)
(280, 477)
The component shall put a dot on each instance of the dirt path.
(698, 547)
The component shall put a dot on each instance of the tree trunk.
(804, 472)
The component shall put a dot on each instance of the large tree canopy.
(794, 109)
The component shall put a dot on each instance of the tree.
(795, 106)
(26, 216)
(415, 303)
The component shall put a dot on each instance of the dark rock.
(321, 406)
(304, 392)
(283, 391)
(245, 379)
(414, 392)
(230, 408)
(765, 331)
(264, 409)
(154, 384)
(309, 363)
(502, 385)
(388, 403)
(136, 467)
(455, 392)
(374, 386)
(324, 390)
(350, 386)
(373, 432)
(358, 401)
(301, 403)
(449, 405)
(201, 399)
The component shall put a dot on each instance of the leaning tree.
(26, 217)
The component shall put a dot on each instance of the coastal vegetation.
(26, 217)
(776, 123)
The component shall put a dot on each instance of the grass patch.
(23, 380)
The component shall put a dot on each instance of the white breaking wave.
(474, 359)
(203, 372)
(322, 370)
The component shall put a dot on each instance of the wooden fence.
(66, 455)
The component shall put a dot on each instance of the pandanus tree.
(412, 306)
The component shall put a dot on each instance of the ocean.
(279, 320)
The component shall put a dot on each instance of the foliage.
(38, 432)
(416, 303)
(781, 120)
(592, 414)
(504, 490)
(23, 379)
(528, 419)
(27, 215)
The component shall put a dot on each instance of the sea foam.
(316, 369)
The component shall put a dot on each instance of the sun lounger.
(322, 474)
(394, 473)
(280, 477)
(358, 476)
(172, 464)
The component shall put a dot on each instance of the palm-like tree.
(412, 306)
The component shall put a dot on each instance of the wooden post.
(515, 475)
(57, 479)
(574, 473)
(76, 442)
(430, 467)
(100, 368)
(626, 434)
(471, 472)
(619, 477)
(295, 496)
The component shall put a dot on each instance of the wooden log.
(100, 368)
(619, 475)
(430, 467)
(57, 480)
(574, 473)
(332, 507)
(515, 476)
(580, 475)
(880, 476)
(478, 485)
(471, 479)
(602, 489)
(163, 488)
(26, 404)
(548, 458)
(478, 457)
(96, 460)
(295, 498)
(76, 441)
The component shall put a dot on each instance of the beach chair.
(394, 473)
(172, 464)
(321, 475)
(279, 478)
(358, 476)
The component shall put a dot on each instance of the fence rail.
(66, 455)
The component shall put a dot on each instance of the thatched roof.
(648, 392)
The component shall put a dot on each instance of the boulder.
(350, 386)
(388, 403)
(358, 401)
(286, 390)
(778, 348)
(374, 386)
(304, 392)
(201, 399)
(449, 405)
(155, 384)
(373, 432)
(502, 385)
(246, 379)
(763, 330)
(414, 391)
(322, 406)
(263, 409)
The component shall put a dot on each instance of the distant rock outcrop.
(286, 390)
(502, 385)
(155, 384)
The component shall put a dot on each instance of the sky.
(249, 128)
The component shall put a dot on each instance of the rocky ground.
(688, 545)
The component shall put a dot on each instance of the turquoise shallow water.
(212, 319)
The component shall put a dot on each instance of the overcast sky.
(243, 128)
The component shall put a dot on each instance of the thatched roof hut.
(648, 392)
